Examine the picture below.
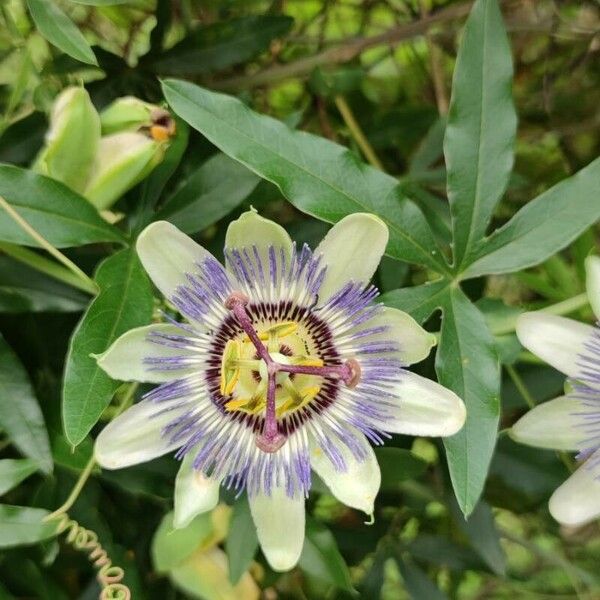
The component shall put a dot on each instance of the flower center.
(271, 372)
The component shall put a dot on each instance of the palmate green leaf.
(481, 127)
(542, 227)
(21, 525)
(418, 301)
(13, 471)
(125, 301)
(20, 415)
(60, 215)
(321, 558)
(59, 30)
(466, 362)
(220, 45)
(210, 193)
(319, 177)
(242, 542)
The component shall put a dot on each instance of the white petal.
(194, 492)
(352, 250)
(415, 343)
(425, 408)
(557, 340)
(253, 230)
(592, 270)
(168, 255)
(577, 500)
(552, 425)
(134, 437)
(124, 360)
(279, 522)
(358, 485)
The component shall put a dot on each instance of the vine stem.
(560, 308)
(44, 243)
(520, 385)
(357, 132)
(46, 266)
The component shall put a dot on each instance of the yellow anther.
(248, 405)
(297, 399)
(282, 329)
(306, 361)
(230, 373)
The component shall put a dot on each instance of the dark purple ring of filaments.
(586, 388)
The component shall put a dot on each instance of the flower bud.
(122, 161)
(72, 140)
(132, 114)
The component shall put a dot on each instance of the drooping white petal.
(424, 408)
(351, 251)
(125, 359)
(414, 342)
(135, 436)
(592, 271)
(279, 522)
(552, 424)
(194, 492)
(168, 255)
(556, 340)
(358, 485)
(577, 500)
(251, 230)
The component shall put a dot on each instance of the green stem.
(520, 385)
(48, 267)
(357, 132)
(560, 308)
(68, 503)
(567, 306)
(46, 245)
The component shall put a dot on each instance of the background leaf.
(125, 301)
(57, 213)
(21, 525)
(481, 127)
(317, 176)
(418, 585)
(220, 45)
(20, 415)
(321, 558)
(481, 530)
(466, 362)
(13, 471)
(22, 290)
(242, 543)
(210, 193)
(59, 30)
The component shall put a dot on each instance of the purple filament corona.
(358, 370)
